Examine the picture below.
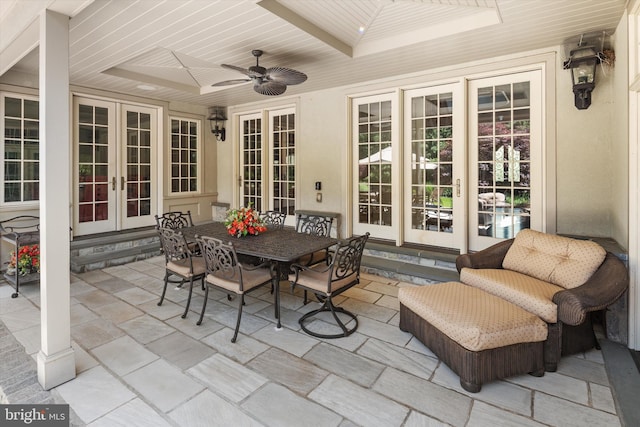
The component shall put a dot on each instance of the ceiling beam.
(294, 19)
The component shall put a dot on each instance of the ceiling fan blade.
(270, 88)
(285, 75)
(251, 72)
(231, 82)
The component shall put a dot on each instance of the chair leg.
(186, 308)
(240, 304)
(328, 306)
(164, 289)
(204, 305)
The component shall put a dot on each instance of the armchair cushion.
(559, 260)
(527, 292)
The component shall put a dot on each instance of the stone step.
(109, 249)
(417, 265)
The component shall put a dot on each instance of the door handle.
(457, 188)
(240, 181)
(122, 183)
(113, 183)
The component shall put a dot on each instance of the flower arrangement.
(26, 261)
(243, 221)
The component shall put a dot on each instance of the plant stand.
(20, 231)
(16, 280)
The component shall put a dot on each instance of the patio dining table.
(282, 246)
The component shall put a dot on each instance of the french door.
(251, 161)
(505, 157)
(114, 165)
(376, 153)
(268, 161)
(434, 166)
(467, 171)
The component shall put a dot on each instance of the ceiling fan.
(266, 81)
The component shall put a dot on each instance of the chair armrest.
(315, 268)
(602, 289)
(249, 267)
(490, 257)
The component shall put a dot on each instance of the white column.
(56, 362)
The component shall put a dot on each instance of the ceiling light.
(146, 87)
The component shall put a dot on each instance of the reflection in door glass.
(504, 186)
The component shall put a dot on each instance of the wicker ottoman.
(481, 337)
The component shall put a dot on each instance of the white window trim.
(22, 205)
(199, 136)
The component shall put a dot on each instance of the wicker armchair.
(573, 331)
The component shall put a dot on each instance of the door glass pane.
(93, 161)
(432, 163)
(375, 163)
(137, 201)
(251, 149)
(504, 162)
(283, 134)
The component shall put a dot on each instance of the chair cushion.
(250, 279)
(183, 268)
(318, 280)
(527, 292)
(471, 317)
(555, 259)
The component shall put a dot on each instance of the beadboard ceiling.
(176, 46)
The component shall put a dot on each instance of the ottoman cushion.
(471, 317)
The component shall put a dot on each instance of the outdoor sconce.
(583, 62)
(216, 118)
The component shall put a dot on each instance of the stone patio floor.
(141, 364)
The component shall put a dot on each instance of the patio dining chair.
(273, 219)
(329, 281)
(224, 272)
(174, 220)
(180, 261)
(316, 225)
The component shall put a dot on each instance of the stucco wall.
(592, 162)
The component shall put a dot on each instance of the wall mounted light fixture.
(217, 116)
(583, 62)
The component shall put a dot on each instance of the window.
(21, 149)
(185, 140)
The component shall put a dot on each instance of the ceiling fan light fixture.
(266, 81)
